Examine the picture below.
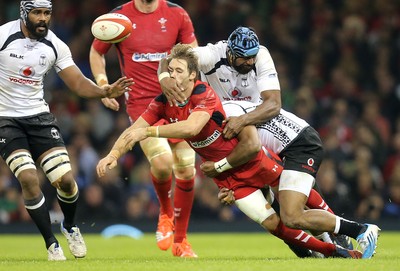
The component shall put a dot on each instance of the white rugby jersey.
(276, 133)
(231, 85)
(24, 62)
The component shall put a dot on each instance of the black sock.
(39, 213)
(68, 207)
(351, 228)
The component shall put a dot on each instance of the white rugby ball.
(111, 27)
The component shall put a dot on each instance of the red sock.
(183, 201)
(302, 239)
(163, 191)
(315, 201)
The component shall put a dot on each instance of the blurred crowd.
(339, 67)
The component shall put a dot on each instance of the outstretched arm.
(247, 148)
(84, 87)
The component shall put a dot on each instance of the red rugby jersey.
(211, 145)
(152, 37)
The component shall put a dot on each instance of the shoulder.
(200, 88)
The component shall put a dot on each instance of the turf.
(241, 251)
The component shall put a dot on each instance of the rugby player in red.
(200, 122)
(157, 26)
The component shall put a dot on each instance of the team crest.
(54, 133)
(162, 21)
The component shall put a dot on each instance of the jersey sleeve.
(154, 111)
(186, 31)
(101, 47)
(267, 76)
(64, 56)
(208, 56)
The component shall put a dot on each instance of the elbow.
(254, 148)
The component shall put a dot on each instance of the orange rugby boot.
(165, 232)
(183, 249)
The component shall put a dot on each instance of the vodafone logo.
(310, 162)
(27, 71)
(236, 93)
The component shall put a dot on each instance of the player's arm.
(247, 148)
(270, 108)
(84, 87)
(98, 66)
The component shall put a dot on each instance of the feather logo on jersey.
(162, 21)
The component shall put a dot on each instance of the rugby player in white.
(28, 131)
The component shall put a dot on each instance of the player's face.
(37, 22)
(244, 65)
(178, 68)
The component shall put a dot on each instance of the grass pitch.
(237, 252)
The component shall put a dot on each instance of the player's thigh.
(255, 206)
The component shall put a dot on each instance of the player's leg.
(256, 207)
(184, 171)
(15, 152)
(294, 188)
(48, 149)
(159, 155)
(56, 165)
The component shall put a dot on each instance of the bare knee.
(271, 222)
(67, 183)
(161, 167)
(29, 182)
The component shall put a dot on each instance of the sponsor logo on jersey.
(222, 80)
(16, 56)
(27, 71)
(247, 98)
(144, 57)
(24, 81)
(2, 141)
(236, 92)
(206, 142)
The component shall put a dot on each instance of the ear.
(192, 75)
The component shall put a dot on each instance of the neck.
(145, 7)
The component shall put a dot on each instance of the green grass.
(241, 252)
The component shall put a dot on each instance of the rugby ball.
(111, 27)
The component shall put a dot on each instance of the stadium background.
(338, 64)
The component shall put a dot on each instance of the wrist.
(163, 75)
(115, 154)
(222, 165)
(152, 131)
(101, 79)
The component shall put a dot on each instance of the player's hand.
(131, 136)
(110, 103)
(108, 162)
(226, 196)
(118, 88)
(208, 169)
(233, 126)
(172, 91)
